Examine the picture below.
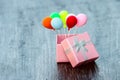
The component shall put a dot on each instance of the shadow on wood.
(87, 71)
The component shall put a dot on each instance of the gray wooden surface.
(27, 50)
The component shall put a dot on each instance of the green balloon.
(63, 14)
(54, 15)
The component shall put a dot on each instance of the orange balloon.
(46, 22)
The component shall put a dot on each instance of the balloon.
(54, 15)
(63, 14)
(71, 21)
(46, 22)
(81, 20)
(56, 23)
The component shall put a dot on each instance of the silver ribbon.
(80, 46)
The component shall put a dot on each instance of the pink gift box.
(79, 49)
(60, 54)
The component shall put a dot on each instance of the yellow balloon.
(63, 14)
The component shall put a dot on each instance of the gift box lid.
(82, 43)
(80, 37)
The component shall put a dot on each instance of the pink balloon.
(81, 20)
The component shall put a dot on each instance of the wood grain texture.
(27, 50)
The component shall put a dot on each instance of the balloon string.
(59, 31)
(76, 30)
(65, 33)
(56, 32)
(68, 33)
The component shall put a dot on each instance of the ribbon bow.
(79, 46)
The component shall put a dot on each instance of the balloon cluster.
(60, 20)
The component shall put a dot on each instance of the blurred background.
(28, 50)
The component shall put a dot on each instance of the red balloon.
(46, 22)
(71, 21)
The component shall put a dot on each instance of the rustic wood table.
(28, 50)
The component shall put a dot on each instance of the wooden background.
(27, 50)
